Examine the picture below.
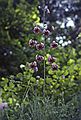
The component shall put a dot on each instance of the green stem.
(44, 68)
(44, 48)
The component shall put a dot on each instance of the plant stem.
(44, 69)
(44, 48)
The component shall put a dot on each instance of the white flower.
(22, 66)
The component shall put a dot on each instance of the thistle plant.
(41, 46)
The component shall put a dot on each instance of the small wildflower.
(40, 46)
(54, 66)
(53, 44)
(51, 59)
(39, 58)
(32, 43)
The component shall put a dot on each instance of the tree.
(16, 19)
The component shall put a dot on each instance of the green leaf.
(50, 72)
(48, 80)
(80, 52)
(79, 36)
(11, 85)
(57, 85)
(66, 73)
(80, 73)
(10, 100)
(71, 61)
(0, 100)
(32, 79)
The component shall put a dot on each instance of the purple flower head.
(3, 106)
(37, 30)
(40, 46)
(32, 43)
(33, 64)
(54, 67)
(53, 44)
(51, 59)
(39, 58)
(46, 32)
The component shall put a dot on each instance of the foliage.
(15, 24)
(63, 83)
(44, 109)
